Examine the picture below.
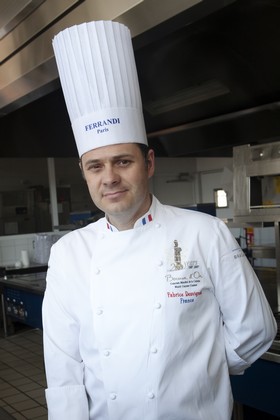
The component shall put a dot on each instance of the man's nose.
(110, 176)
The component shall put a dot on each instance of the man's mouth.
(114, 194)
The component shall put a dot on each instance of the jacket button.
(106, 353)
(158, 225)
(151, 395)
(154, 350)
(99, 311)
(97, 271)
(160, 263)
(157, 305)
(113, 396)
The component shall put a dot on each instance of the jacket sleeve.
(66, 396)
(249, 325)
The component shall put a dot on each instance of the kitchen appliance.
(256, 171)
(256, 191)
(256, 183)
(22, 293)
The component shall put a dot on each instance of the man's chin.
(115, 208)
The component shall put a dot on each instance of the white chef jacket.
(147, 323)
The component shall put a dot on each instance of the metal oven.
(256, 182)
(256, 189)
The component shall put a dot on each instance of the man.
(117, 177)
(148, 310)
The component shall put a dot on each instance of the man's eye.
(94, 167)
(124, 162)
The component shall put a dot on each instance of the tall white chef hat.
(99, 80)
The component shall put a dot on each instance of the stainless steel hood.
(13, 12)
(28, 70)
(208, 72)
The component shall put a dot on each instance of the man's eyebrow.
(112, 158)
(123, 156)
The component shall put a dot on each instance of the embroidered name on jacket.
(186, 297)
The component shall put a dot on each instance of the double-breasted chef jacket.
(147, 323)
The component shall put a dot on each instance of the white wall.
(166, 185)
(216, 173)
(205, 175)
(12, 245)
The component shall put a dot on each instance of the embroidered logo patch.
(183, 276)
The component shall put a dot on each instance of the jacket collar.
(142, 221)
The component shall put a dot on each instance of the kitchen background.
(209, 79)
(25, 208)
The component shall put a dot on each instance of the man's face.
(117, 177)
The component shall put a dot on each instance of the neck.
(126, 220)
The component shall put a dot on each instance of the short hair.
(144, 150)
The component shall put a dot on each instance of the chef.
(148, 310)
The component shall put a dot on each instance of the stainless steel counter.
(21, 299)
(35, 283)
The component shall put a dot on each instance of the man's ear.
(81, 168)
(151, 162)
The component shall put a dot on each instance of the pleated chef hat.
(99, 80)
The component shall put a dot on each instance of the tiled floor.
(22, 376)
